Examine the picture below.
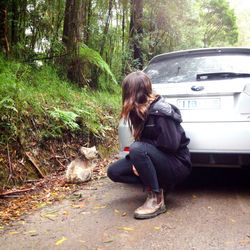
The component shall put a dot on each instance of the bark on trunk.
(106, 27)
(73, 23)
(136, 32)
(4, 42)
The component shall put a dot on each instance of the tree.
(72, 31)
(136, 32)
(218, 23)
(4, 41)
(168, 26)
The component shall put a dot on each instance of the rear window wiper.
(220, 75)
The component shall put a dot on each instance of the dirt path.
(101, 217)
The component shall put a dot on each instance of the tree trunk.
(72, 37)
(86, 20)
(136, 32)
(14, 24)
(106, 28)
(73, 24)
(4, 42)
(123, 39)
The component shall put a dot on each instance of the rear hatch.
(218, 101)
(207, 86)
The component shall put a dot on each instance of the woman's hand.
(134, 170)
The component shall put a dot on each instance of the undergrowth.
(36, 105)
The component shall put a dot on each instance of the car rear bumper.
(211, 143)
(218, 137)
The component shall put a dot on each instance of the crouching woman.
(159, 157)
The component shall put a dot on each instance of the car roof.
(201, 51)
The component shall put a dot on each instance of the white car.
(211, 87)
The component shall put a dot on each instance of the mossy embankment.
(45, 119)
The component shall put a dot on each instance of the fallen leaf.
(13, 232)
(124, 214)
(65, 212)
(87, 212)
(194, 196)
(32, 232)
(1, 228)
(245, 241)
(107, 241)
(157, 228)
(117, 211)
(41, 205)
(49, 216)
(60, 241)
(126, 228)
(82, 241)
(78, 206)
(99, 207)
(52, 211)
(75, 197)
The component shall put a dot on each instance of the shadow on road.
(218, 179)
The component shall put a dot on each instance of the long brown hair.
(136, 98)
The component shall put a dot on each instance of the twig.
(60, 163)
(11, 196)
(55, 156)
(32, 160)
(30, 181)
(10, 165)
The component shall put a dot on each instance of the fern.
(8, 104)
(95, 58)
(68, 118)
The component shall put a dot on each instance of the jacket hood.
(161, 107)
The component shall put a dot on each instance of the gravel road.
(210, 211)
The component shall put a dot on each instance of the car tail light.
(126, 149)
(247, 89)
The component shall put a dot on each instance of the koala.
(81, 169)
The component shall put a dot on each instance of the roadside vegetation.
(37, 108)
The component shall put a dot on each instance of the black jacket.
(162, 129)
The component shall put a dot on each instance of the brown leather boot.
(153, 206)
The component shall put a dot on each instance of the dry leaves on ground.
(38, 194)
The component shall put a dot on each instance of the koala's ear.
(83, 150)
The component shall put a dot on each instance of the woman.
(159, 157)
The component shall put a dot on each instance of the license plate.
(203, 103)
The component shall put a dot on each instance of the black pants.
(156, 169)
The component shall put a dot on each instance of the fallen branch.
(10, 177)
(33, 161)
(7, 193)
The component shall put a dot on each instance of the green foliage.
(242, 12)
(68, 118)
(35, 104)
(218, 23)
(95, 58)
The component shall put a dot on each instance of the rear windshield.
(186, 68)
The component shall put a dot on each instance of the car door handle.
(197, 88)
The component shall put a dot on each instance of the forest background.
(61, 64)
